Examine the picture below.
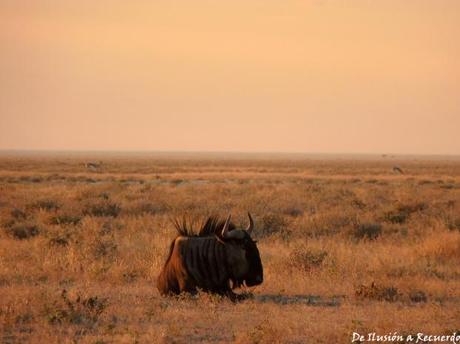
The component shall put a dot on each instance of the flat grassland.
(348, 245)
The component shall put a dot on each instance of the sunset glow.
(295, 76)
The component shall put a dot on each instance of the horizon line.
(172, 151)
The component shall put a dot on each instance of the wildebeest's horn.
(226, 225)
(251, 224)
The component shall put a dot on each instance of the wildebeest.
(217, 259)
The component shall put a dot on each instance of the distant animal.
(397, 169)
(217, 259)
(93, 165)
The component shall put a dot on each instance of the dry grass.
(346, 246)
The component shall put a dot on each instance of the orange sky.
(345, 76)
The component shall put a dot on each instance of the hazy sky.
(374, 76)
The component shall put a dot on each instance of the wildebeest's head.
(243, 257)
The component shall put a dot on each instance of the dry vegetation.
(347, 245)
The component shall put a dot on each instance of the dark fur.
(199, 259)
(212, 226)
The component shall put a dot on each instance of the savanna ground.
(348, 245)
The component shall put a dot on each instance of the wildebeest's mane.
(212, 226)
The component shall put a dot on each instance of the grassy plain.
(348, 245)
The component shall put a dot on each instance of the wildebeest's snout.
(259, 279)
(256, 280)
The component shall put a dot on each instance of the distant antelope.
(397, 169)
(93, 165)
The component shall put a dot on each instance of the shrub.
(59, 240)
(454, 224)
(142, 208)
(78, 311)
(379, 293)
(24, 231)
(412, 208)
(18, 214)
(372, 181)
(130, 276)
(104, 195)
(104, 248)
(265, 332)
(397, 230)
(65, 220)
(109, 227)
(46, 204)
(368, 231)
(103, 209)
(396, 217)
(273, 224)
(35, 179)
(304, 259)
(357, 203)
(402, 212)
(294, 212)
(425, 182)
(418, 296)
